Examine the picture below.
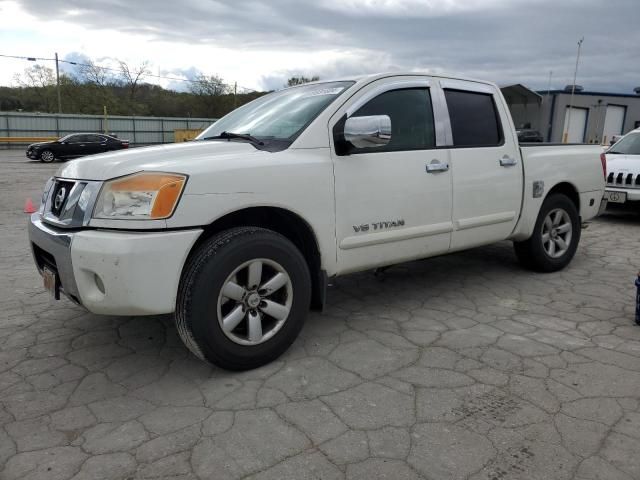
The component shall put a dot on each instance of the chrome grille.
(69, 203)
(59, 195)
(624, 180)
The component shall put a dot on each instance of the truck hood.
(617, 163)
(178, 158)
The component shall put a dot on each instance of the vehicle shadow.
(626, 216)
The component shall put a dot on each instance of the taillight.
(603, 160)
(125, 145)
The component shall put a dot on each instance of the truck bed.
(576, 166)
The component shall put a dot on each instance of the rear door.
(94, 144)
(486, 164)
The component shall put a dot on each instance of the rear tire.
(555, 236)
(243, 298)
(47, 156)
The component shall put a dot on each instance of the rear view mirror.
(366, 132)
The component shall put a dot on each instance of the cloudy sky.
(260, 43)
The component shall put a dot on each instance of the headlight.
(141, 196)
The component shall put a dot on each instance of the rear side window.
(411, 115)
(474, 119)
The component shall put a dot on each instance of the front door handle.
(436, 166)
(507, 161)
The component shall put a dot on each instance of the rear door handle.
(507, 161)
(436, 166)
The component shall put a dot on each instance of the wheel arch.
(285, 222)
(532, 206)
(567, 189)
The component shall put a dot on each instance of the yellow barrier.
(26, 139)
(184, 135)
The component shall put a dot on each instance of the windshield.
(629, 145)
(280, 115)
(66, 137)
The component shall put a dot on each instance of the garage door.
(613, 122)
(578, 124)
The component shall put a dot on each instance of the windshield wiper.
(230, 135)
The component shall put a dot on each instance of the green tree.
(209, 85)
(38, 83)
(299, 80)
(88, 92)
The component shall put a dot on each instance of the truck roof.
(367, 78)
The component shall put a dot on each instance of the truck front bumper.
(114, 272)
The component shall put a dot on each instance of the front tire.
(47, 156)
(243, 298)
(555, 236)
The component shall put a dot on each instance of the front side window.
(411, 114)
(68, 138)
(474, 119)
(628, 145)
(279, 116)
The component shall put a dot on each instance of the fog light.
(99, 283)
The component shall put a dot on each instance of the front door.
(389, 208)
(486, 164)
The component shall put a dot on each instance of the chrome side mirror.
(367, 132)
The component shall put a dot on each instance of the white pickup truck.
(238, 232)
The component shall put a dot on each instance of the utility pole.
(235, 94)
(58, 84)
(573, 88)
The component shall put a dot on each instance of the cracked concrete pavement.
(458, 367)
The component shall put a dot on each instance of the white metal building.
(595, 116)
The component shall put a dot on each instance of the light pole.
(543, 103)
(573, 88)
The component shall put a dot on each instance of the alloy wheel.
(255, 301)
(557, 231)
(47, 156)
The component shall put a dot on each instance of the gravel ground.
(458, 367)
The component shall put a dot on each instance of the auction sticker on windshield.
(325, 91)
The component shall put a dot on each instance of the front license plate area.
(616, 197)
(51, 282)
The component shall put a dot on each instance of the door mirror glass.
(367, 132)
